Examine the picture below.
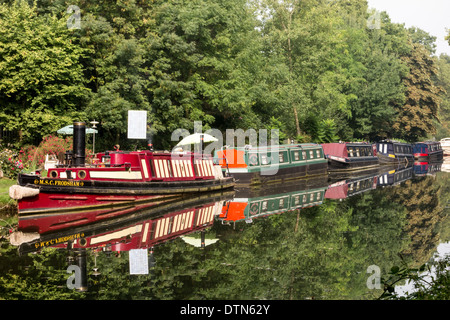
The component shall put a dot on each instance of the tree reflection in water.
(319, 252)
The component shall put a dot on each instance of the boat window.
(304, 155)
(350, 151)
(296, 200)
(281, 204)
(357, 152)
(253, 159)
(264, 206)
(169, 167)
(281, 157)
(296, 156)
(304, 198)
(264, 159)
(151, 168)
(311, 154)
(318, 153)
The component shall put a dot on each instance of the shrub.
(10, 163)
(34, 157)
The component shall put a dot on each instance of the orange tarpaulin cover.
(235, 158)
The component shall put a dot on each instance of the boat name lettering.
(55, 241)
(58, 183)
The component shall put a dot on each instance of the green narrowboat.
(257, 165)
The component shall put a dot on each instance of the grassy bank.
(5, 183)
(8, 209)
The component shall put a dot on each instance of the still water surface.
(303, 240)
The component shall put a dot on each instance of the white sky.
(432, 16)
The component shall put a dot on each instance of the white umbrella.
(197, 242)
(196, 138)
(69, 130)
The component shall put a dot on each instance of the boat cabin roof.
(395, 142)
(339, 149)
(282, 147)
(428, 143)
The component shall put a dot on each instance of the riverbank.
(7, 205)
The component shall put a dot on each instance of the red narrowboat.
(125, 229)
(350, 156)
(121, 178)
(350, 187)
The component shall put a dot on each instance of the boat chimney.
(79, 144)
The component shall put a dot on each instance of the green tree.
(416, 117)
(379, 88)
(442, 80)
(301, 39)
(197, 64)
(41, 78)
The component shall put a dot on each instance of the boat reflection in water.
(129, 229)
(422, 168)
(251, 203)
(140, 229)
(382, 177)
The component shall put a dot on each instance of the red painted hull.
(50, 203)
(126, 228)
(50, 222)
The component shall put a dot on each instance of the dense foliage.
(322, 70)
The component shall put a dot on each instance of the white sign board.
(138, 261)
(137, 124)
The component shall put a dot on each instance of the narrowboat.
(423, 168)
(121, 178)
(389, 151)
(395, 176)
(258, 165)
(428, 151)
(249, 204)
(135, 228)
(350, 187)
(350, 156)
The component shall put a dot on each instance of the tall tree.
(380, 88)
(443, 81)
(41, 77)
(302, 65)
(416, 118)
(197, 64)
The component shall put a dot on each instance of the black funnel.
(79, 144)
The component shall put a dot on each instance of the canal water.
(332, 238)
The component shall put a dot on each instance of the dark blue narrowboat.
(428, 151)
(423, 168)
(390, 151)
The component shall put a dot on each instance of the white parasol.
(196, 138)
